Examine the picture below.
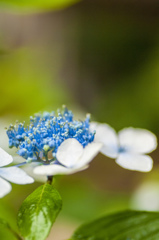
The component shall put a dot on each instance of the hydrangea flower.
(128, 147)
(71, 158)
(12, 174)
(55, 140)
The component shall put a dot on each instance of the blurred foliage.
(83, 202)
(35, 5)
(118, 59)
(26, 87)
(6, 212)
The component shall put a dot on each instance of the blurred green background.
(94, 56)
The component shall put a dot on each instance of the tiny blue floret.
(45, 134)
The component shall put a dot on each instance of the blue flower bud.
(52, 144)
(22, 152)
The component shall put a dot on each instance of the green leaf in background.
(37, 4)
(6, 232)
(38, 212)
(127, 225)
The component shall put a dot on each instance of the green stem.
(49, 179)
(46, 157)
(15, 233)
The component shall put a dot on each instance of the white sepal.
(137, 140)
(29, 169)
(15, 175)
(5, 158)
(136, 162)
(54, 169)
(90, 151)
(69, 152)
(106, 135)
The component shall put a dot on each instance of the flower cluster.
(45, 134)
(58, 144)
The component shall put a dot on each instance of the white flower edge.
(107, 135)
(5, 158)
(138, 140)
(134, 143)
(65, 155)
(29, 169)
(69, 152)
(15, 175)
(55, 169)
(135, 162)
(12, 174)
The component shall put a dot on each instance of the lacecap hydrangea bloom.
(129, 147)
(12, 174)
(56, 142)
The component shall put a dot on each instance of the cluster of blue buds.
(45, 134)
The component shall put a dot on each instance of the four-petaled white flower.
(128, 147)
(11, 174)
(71, 158)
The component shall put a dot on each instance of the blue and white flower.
(57, 142)
(12, 174)
(128, 147)
(71, 158)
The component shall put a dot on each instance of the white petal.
(15, 175)
(29, 169)
(5, 187)
(5, 158)
(142, 163)
(106, 135)
(137, 140)
(54, 169)
(69, 152)
(90, 151)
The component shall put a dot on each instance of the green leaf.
(37, 4)
(127, 225)
(38, 212)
